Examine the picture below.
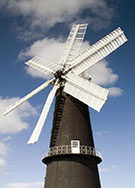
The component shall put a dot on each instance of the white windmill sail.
(97, 52)
(22, 100)
(37, 131)
(42, 65)
(73, 43)
(86, 91)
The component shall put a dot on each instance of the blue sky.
(38, 28)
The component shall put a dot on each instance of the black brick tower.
(66, 169)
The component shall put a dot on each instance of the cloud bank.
(35, 16)
(11, 124)
(15, 121)
(44, 14)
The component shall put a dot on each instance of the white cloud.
(48, 13)
(34, 73)
(3, 148)
(50, 49)
(2, 164)
(115, 91)
(7, 138)
(25, 185)
(102, 74)
(14, 122)
(84, 46)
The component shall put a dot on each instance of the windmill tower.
(72, 159)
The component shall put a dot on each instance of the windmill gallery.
(72, 158)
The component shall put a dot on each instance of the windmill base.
(72, 171)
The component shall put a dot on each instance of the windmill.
(69, 80)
